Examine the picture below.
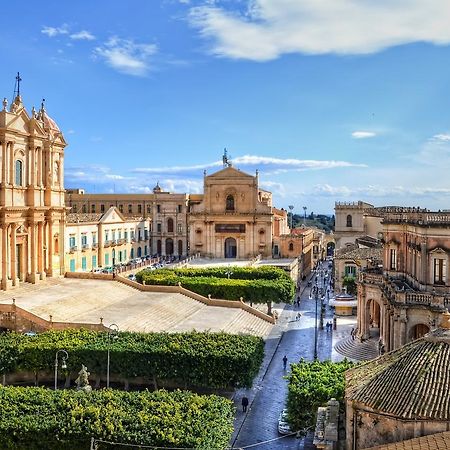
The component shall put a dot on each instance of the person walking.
(353, 332)
(285, 362)
(244, 403)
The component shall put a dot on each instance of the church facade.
(32, 212)
(234, 218)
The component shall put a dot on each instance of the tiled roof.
(354, 252)
(412, 382)
(83, 217)
(438, 441)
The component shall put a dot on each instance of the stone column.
(11, 163)
(40, 248)
(5, 256)
(49, 238)
(13, 254)
(33, 252)
(4, 163)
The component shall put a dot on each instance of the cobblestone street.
(269, 393)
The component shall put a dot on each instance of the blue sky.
(329, 99)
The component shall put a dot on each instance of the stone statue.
(83, 380)
(5, 104)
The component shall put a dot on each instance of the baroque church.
(31, 195)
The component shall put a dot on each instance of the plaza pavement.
(86, 301)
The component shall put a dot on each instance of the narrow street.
(270, 392)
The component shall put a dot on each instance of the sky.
(330, 100)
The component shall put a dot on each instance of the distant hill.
(323, 221)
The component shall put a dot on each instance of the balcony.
(73, 249)
(121, 241)
(94, 245)
(84, 247)
(107, 243)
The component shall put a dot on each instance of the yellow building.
(31, 195)
(103, 240)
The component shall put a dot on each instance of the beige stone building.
(234, 218)
(32, 211)
(355, 220)
(166, 211)
(404, 299)
(103, 240)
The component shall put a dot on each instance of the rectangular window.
(83, 239)
(139, 234)
(94, 261)
(132, 234)
(124, 255)
(120, 234)
(393, 259)
(106, 235)
(158, 228)
(130, 209)
(94, 238)
(350, 271)
(146, 234)
(180, 228)
(106, 259)
(139, 209)
(440, 271)
(93, 209)
(102, 208)
(149, 209)
(121, 208)
(180, 208)
(158, 208)
(72, 241)
(83, 263)
(114, 235)
(125, 235)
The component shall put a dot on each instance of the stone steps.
(359, 351)
(247, 323)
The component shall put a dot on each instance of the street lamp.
(229, 272)
(113, 331)
(64, 358)
(316, 296)
(291, 207)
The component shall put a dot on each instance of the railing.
(419, 298)
(85, 247)
(95, 245)
(72, 249)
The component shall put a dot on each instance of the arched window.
(170, 225)
(349, 220)
(230, 203)
(291, 247)
(19, 172)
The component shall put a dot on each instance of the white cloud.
(265, 164)
(441, 137)
(372, 191)
(82, 35)
(55, 31)
(267, 29)
(363, 134)
(126, 56)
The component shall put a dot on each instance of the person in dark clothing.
(244, 403)
(284, 362)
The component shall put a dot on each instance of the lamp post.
(113, 331)
(291, 207)
(229, 272)
(64, 358)
(316, 296)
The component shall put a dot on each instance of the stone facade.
(32, 208)
(234, 218)
(405, 298)
(103, 240)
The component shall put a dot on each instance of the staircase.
(356, 350)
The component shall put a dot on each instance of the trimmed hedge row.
(312, 384)
(212, 360)
(37, 418)
(260, 285)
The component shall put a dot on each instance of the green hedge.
(212, 360)
(258, 285)
(312, 384)
(38, 418)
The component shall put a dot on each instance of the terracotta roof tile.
(438, 441)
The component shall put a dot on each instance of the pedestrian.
(298, 300)
(353, 332)
(297, 317)
(284, 362)
(244, 403)
(328, 327)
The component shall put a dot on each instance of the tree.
(349, 282)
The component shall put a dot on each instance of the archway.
(419, 330)
(139, 252)
(169, 246)
(373, 320)
(330, 248)
(230, 248)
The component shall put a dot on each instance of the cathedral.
(31, 195)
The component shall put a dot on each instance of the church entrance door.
(230, 248)
(19, 261)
